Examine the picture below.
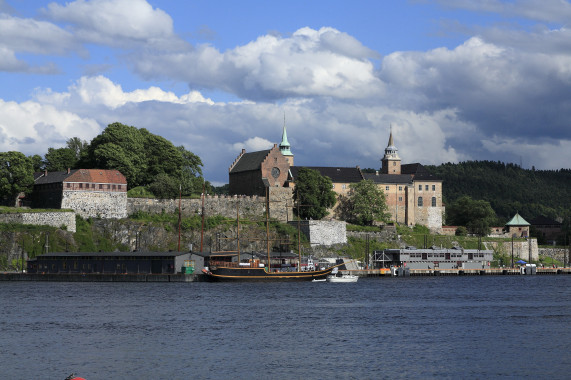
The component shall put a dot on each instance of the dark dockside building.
(110, 262)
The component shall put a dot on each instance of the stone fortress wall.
(54, 219)
(96, 204)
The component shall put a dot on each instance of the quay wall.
(54, 219)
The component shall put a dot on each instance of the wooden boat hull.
(219, 273)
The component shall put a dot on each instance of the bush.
(140, 192)
(461, 231)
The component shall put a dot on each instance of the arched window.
(419, 201)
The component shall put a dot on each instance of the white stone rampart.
(323, 232)
(95, 204)
(54, 219)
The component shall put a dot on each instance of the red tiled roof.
(96, 176)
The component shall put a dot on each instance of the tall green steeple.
(285, 147)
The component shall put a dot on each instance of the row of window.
(387, 188)
(426, 187)
(92, 186)
(420, 202)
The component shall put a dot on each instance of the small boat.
(319, 280)
(342, 278)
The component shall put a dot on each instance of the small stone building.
(517, 226)
(89, 192)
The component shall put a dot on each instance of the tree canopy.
(508, 188)
(142, 156)
(476, 215)
(16, 174)
(367, 203)
(314, 194)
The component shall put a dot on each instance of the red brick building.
(251, 172)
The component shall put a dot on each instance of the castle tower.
(391, 160)
(285, 147)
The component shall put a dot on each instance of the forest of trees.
(508, 188)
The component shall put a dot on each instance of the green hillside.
(509, 188)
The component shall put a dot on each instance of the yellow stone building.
(413, 194)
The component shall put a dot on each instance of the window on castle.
(419, 187)
(67, 185)
(433, 201)
(433, 187)
(81, 185)
(333, 186)
(386, 188)
(100, 187)
(400, 199)
(400, 188)
(419, 201)
(426, 187)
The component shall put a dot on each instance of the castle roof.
(544, 221)
(337, 174)
(389, 178)
(517, 220)
(418, 172)
(249, 161)
(80, 175)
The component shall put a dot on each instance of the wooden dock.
(457, 272)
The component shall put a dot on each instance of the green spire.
(284, 145)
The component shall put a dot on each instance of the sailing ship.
(221, 266)
(256, 271)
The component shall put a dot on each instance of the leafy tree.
(16, 174)
(37, 162)
(164, 187)
(461, 231)
(314, 194)
(59, 159)
(77, 145)
(476, 215)
(367, 203)
(119, 147)
(191, 173)
(142, 156)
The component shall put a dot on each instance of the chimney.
(45, 172)
(68, 170)
(243, 150)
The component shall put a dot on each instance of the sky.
(454, 80)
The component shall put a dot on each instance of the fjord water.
(418, 327)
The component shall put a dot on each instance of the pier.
(456, 272)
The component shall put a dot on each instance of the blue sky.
(457, 80)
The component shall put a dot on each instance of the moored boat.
(230, 271)
(342, 278)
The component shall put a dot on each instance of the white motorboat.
(343, 278)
